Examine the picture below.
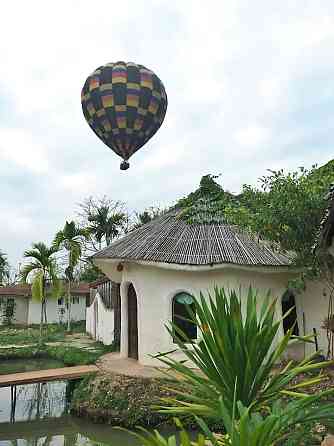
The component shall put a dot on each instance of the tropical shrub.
(236, 356)
(284, 425)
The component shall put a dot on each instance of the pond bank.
(121, 400)
(127, 401)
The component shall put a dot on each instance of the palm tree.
(42, 270)
(4, 268)
(105, 224)
(70, 238)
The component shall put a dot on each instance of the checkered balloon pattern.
(124, 104)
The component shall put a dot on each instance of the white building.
(168, 261)
(103, 317)
(27, 311)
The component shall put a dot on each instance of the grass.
(28, 346)
(14, 335)
(70, 356)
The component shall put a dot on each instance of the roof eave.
(200, 268)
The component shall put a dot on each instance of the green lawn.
(13, 335)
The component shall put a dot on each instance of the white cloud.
(240, 79)
(19, 147)
(253, 135)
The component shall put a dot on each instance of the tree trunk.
(45, 316)
(42, 321)
(69, 305)
(42, 312)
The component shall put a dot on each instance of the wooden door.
(132, 323)
(116, 305)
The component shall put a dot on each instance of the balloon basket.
(124, 165)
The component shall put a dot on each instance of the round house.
(162, 266)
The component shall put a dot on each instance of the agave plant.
(235, 354)
(286, 424)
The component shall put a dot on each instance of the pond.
(28, 365)
(38, 415)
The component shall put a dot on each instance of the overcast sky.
(250, 87)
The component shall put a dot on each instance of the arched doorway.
(289, 304)
(132, 323)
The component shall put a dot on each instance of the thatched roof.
(327, 224)
(171, 239)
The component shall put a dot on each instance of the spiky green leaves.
(237, 352)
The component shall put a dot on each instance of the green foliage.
(7, 311)
(43, 271)
(30, 335)
(207, 204)
(37, 287)
(4, 268)
(69, 355)
(149, 214)
(121, 400)
(89, 273)
(286, 424)
(105, 219)
(235, 354)
(287, 209)
(154, 438)
(70, 238)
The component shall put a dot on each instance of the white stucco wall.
(156, 287)
(78, 311)
(100, 321)
(312, 307)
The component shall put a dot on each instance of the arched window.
(289, 303)
(182, 303)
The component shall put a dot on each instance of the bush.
(236, 355)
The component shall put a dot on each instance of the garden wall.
(57, 313)
(100, 321)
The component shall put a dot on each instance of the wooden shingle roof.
(327, 224)
(170, 239)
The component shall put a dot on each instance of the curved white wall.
(100, 321)
(155, 288)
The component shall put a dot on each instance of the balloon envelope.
(124, 104)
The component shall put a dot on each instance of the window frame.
(189, 328)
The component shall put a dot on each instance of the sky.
(249, 84)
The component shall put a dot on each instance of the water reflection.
(65, 431)
(34, 401)
(37, 415)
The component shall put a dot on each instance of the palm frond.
(37, 291)
(27, 269)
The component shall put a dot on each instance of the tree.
(4, 268)
(105, 219)
(287, 209)
(42, 270)
(70, 238)
(89, 272)
(150, 213)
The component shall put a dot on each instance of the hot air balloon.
(124, 104)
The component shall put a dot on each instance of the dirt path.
(113, 363)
